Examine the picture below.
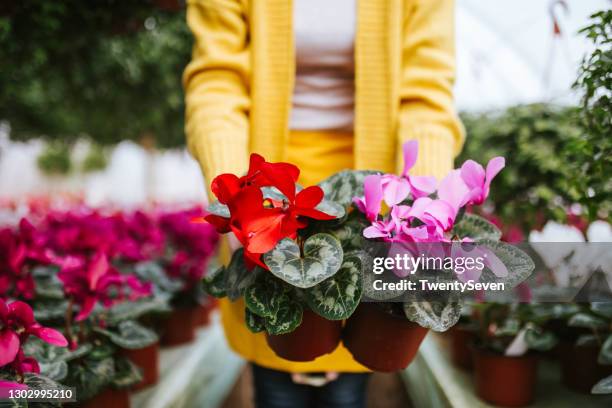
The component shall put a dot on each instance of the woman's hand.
(314, 380)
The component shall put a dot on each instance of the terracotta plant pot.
(179, 327)
(461, 350)
(579, 368)
(110, 397)
(505, 381)
(147, 358)
(381, 341)
(315, 337)
(204, 312)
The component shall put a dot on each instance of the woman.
(326, 85)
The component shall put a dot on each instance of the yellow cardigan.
(239, 83)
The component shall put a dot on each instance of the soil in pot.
(505, 381)
(146, 358)
(314, 337)
(579, 368)
(462, 338)
(381, 341)
(179, 327)
(108, 398)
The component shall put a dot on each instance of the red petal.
(281, 178)
(309, 197)
(221, 224)
(312, 213)
(225, 187)
(50, 336)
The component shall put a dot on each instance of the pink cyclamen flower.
(17, 323)
(478, 180)
(397, 188)
(98, 282)
(7, 386)
(370, 203)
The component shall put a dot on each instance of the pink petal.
(50, 336)
(7, 386)
(86, 308)
(472, 174)
(492, 262)
(374, 232)
(22, 311)
(453, 190)
(97, 269)
(418, 207)
(442, 212)
(494, 166)
(9, 346)
(422, 185)
(411, 152)
(395, 189)
(373, 193)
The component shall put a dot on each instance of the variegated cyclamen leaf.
(336, 298)
(254, 323)
(126, 374)
(214, 283)
(56, 371)
(477, 228)
(265, 295)
(237, 276)
(540, 340)
(519, 264)
(605, 354)
(130, 335)
(331, 208)
(216, 208)
(322, 259)
(437, 316)
(343, 186)
(604, 386)
(287, 319)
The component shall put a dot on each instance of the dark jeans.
(275, 389)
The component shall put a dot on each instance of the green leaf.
(214, 283)
(540, 340)
(130, 335)
(287, 319)
(477, 228)
(602, 308)
(126, 373)
(237, 276)
(331, 208)
(605, 354)
(437, 316)
(518, 263)
(56, 371)
(216, 208)
(343, 186)
(153, 272)
(92, 376)
(254, 323)
(265, 295)
(586, 340)
(586, 320)
(337, 297)
(322, 259)
(133, 310)
(603, 386)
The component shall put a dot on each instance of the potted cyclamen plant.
(297, 281)
(421, 214)
(185, 263)
(309, 250)
(505, 351)
(19, 370)
(586, 360)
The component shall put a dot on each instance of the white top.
(324, 93)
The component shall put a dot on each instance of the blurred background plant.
(68, 60)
